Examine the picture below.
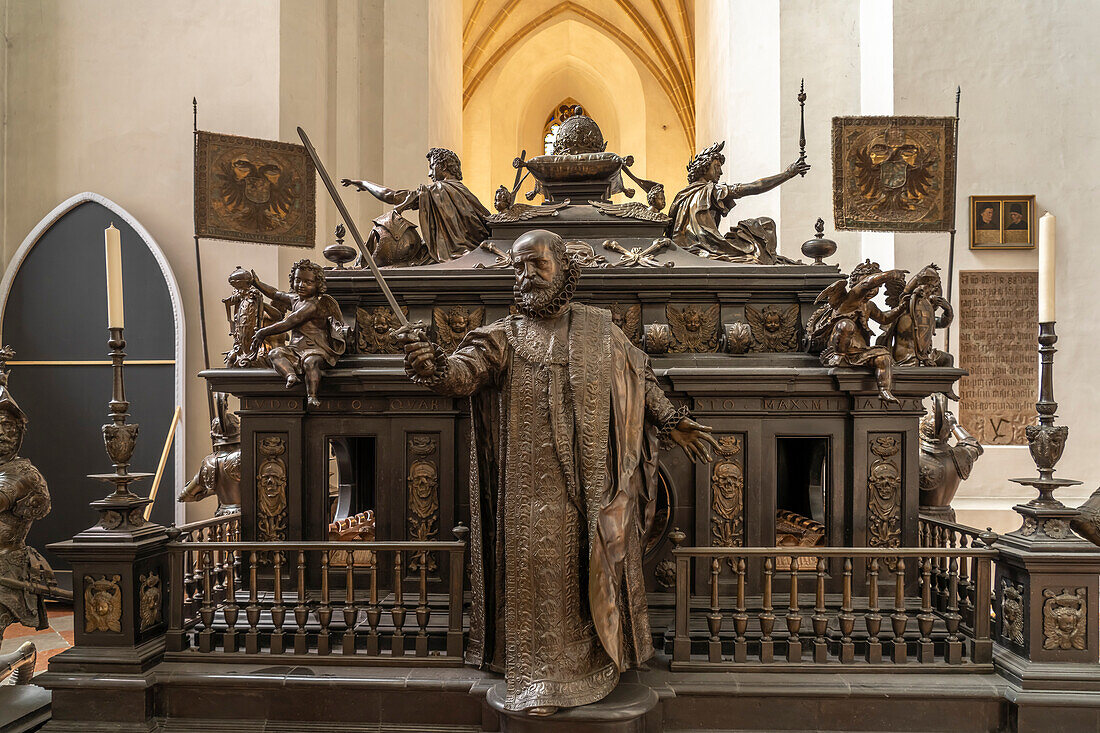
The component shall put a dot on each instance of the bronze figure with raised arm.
(698, 209)
(452, 219)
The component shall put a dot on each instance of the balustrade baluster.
(423, 613)
(324, 611)
(740, 617)
(898, 619)
(278, 610)
(925, 619)
(767, 618)
(454, 597)
(941, 568)
(953, 646)
(374, 611)
(872, 618)
(794, 618)
(847, 618)
(232, 610)
(351, 612)
(301, 609)
(190, 608)
(252, 610)
(966, 587)
(714, 618)
(219, 562)
(819, 619)
(206, 613)
(397, 612)
(681, 641)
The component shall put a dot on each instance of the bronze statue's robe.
(563, 467)
(452, 219)
(694, 217)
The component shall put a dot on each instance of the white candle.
(113, 244)
(1046, 268)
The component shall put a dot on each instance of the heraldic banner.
(251, 190)
(894, 174)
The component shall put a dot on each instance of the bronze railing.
(891, 624)
(306, 598)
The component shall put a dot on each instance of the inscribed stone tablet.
(998, 326)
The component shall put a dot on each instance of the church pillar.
(422, 89)
(734, 105)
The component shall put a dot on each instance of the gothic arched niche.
(569, 57)
(54, 309)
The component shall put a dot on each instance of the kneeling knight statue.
(566, 416)
(25, 577)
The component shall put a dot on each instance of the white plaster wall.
(101, 101)
(1028, 71)
(819, 43)
(737, 62)
(98, 97)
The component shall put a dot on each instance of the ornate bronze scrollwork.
(271, 489)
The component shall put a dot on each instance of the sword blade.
(335, 194)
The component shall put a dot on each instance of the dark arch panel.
(57, 312)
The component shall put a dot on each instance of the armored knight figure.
(840, 328)
(909, 336)
(697, 210)
(566, 415)
(25, 578)
(452, 220)
(220, 472)
(943, 466)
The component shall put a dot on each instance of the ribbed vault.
(657, 33)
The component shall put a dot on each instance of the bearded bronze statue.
(567, 414)
(25, 577)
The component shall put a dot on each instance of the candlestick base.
(1046, 521)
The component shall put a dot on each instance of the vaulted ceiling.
(659, 34)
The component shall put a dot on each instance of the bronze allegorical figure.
(566, 416)
(697, 210)
(452, 220)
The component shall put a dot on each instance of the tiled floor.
(49, 642)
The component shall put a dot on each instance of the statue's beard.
(548, 301)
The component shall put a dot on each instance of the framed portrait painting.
(1002, 222)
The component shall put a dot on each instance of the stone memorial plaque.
(998, 327)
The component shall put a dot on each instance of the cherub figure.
(841, 330)
(909, 336)
(318, 334)
(508, 211)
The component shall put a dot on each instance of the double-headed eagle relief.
(251, 190)
(894, 173)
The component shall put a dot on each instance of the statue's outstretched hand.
(798, 167)
(694, 439)
(348, 182)
(419, 351)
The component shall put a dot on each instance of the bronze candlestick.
(121, 510)
(1045, 515)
